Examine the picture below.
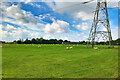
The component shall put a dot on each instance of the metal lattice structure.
(100, 29)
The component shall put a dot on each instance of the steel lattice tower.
(100, 29)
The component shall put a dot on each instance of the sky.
(51, 20)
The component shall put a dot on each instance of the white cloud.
(84, 16)
(37, 26)
(9, 27)
(20, 15)
(78, 10)
(10, 33)
(57, 27)
(83, 26)
(70, 35)
(115, 32)
(104, 29)
(27, 1)
(15, 15)
(35, 5)
(52, 0)
(19, 33)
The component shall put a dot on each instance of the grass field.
(54, 61)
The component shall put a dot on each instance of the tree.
(27, 41)
(33, 41)
(19, 41)
(60, 41)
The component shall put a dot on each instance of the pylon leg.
(100, 20)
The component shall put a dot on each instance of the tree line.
(55, 41)
(40, 41)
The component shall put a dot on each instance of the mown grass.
(54, 61)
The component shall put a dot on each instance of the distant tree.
(66, 41)
(55, 41)
(2, 42)
(117, 41)
(60, 41)
(37, 41)
(33, 41)
(27, 41)
(41, 41)
(19, 41)
(14, 41)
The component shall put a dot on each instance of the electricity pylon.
(100, 29)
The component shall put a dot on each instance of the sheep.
(39, 46)
(71, 47)
(96, 48)
(67, 47)
(1, 46)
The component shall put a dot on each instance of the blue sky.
(58, 20)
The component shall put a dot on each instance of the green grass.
(54, 61)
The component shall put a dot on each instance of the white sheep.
(67, 47)
(39, 46)
(96, 48)
(71, 47)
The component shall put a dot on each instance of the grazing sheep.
(1, 46)
(39, 46)
(96, 48)
(67, 47)
(71, 47)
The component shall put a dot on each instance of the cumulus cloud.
(35, 5)
(83, 16)
(9, 28)
(22, 16)
(15, 15)
(104, 29)
(78, 10)
(83, 26)
(10, 33)
(115, 33)
(57, 27)
(27, 1)
(70, 35)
